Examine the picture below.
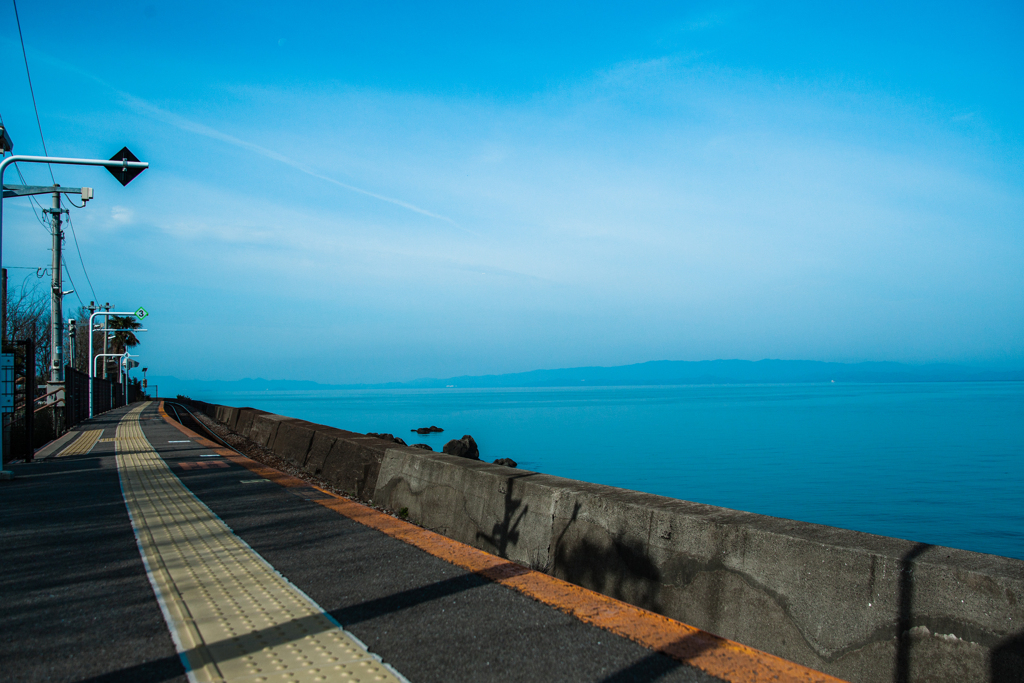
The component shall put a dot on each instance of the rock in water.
(464, 448)
(423, 446)
(507, 462)
(427, 430)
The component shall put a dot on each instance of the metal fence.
(33, 423)
(107, 395)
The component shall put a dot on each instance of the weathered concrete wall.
(861, 607)
(351, 461)
(246, 416)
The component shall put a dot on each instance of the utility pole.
(55, 378)
(56, 297)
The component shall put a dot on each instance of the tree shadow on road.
(397, 602)
(669, 658)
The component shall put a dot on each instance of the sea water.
(939, 463)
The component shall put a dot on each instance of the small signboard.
(141, 313)
(124, 174)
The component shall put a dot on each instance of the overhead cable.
(67, 272)
(80, 259)
(30, 89)
(32, 199)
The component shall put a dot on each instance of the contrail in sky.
(191, 126)
(201, 129)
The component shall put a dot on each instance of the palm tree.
(121, 341)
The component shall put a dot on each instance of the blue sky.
(385, 191)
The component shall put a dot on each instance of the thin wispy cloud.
(121, 214)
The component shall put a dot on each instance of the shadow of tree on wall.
(616, 567)
(906, 607)
(506, 531)
(1007, 660)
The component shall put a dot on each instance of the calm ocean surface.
(937, 463)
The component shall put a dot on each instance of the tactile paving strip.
(232, 616)
(83, 444)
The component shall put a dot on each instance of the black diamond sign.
(123, 174)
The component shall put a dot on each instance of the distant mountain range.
(664, 372)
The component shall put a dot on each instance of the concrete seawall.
(854, 605)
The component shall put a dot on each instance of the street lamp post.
(107, 355)
(111, 355)
(105, 330)
(22, 158)
(126, 365)
(92, 362)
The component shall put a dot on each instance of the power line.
(32, 200)
(48, 229)
(34, 203)
(68, 273)
(30, 89)
(80, 259)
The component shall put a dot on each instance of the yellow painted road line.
(232, 616)
(83, 444)
(720, 657)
